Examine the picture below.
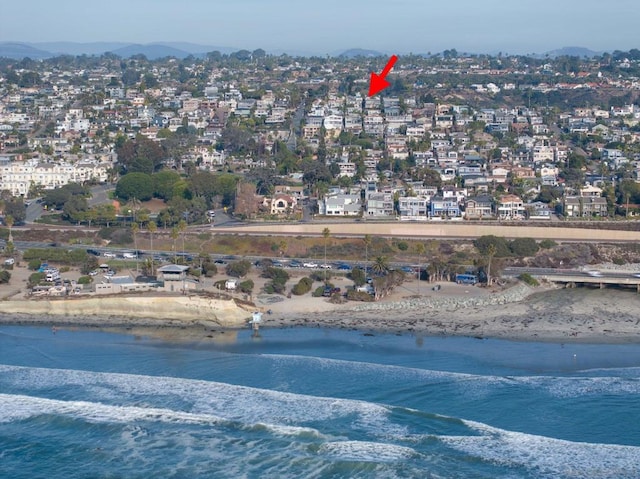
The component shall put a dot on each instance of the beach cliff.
(195, 309)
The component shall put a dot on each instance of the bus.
(466, 278)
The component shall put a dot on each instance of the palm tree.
(152, 227)
(367, 242)
(182, 227)
(134, 229)
(8, 220)
(325, 233)
(380, 266)
(174, 236)
(491, 251)
(421, 249)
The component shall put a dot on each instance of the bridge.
(571, 277)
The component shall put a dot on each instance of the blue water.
(314, 403)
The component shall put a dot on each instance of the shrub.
(528, 279)
(34, 264)
(246, 286)
(354, 295)
(501, 245)
(524, 247)
(278, 275)
(5, 276)
(303, 286)
(547, 244)
(321, 275)
(403, 246)
(238, 269)
(35, 279)
(357, 276)
(318, 292)
(85, 280)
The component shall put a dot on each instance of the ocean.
(314, 403)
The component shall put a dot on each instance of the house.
(340, 205)
(174, 277)
(413, 208)
(380, 204)
(280, 204)
(510, 207)
(581, 206)
(538, 210)
(478, 207)
(444, 207)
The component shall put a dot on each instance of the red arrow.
(377, 82)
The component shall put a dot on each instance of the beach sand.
(544, 313)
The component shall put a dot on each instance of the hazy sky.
(320, 27)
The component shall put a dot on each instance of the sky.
(330, 26)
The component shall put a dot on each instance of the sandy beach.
(544, 313)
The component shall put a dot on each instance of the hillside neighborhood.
(455, 137)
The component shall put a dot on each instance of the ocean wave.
(245, 405)
(367, 451)
(547, 457)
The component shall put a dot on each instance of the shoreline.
(518, 313)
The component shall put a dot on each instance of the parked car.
(108, 254)
(295, 264)
(344, 267)
(310, 264)
(326, 266)
(94, 252)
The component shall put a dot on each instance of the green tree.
(164, 183)
(135, 185)
(238, 269)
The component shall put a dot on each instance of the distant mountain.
(19, 51)
(196, 48)
(152, 52)
(360, 52)
(73, 48)
(572, 52)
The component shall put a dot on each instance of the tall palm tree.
(134, 229)
(152, 227)
(491, 252)
(421, 249)
(380, 266)
(8, 220)
(367, 243)
(174, 236)
(182, 227)
(325, 233)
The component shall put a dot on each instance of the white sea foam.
(367, 451)
(245, 405)
(548, 457)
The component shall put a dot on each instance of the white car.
(106, 254)
(128, 255)
(326, 266)
(594, 273)
(310, 264)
